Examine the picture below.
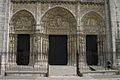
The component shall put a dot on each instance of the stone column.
(80, 51)
(4, 4)
(115, 27)
(38, 15)
(77, 38)
(109, 45)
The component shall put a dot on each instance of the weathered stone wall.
(75, 11)
(3, 25)
(39, 9)
(4, 10)
(115, 21)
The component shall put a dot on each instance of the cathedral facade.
(41, 33)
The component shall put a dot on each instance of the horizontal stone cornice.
(60, 1)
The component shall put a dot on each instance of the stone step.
(101, 72)
(117, 77)
(66, 78)
(17, 78)
(46, 78)
(62, 70)
(26, 73)
(26, 70)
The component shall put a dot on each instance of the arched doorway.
(93, 29)
(60, 26)
(22, 27)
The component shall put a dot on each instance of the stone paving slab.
(109, 79)
(66, 78)
(60, 78)
(17, 78)
(106, 77)
(45, 78)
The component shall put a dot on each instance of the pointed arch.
(22, 24)
(92, 25)
(92, 18)
(23, 20)
(60, 21)
(59, 8)
(58, 18)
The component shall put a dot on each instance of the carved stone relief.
(70, 6)
(16, 7)
(58, 20)
(92, 23)
(84, 8)
(23, 21)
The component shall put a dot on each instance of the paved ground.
(61, 71)
(114, 77)
(108, 77)
(46, 78)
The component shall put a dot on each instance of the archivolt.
(92, 18)
(23, 20)
(59, 19)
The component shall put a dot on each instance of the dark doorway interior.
(91, 50)
(58, 50)
(23, 49)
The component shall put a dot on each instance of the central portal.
(58, 50)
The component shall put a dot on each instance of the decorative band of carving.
(59, 1)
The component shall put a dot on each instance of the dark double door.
(23, 49)
(58, 50)
(91, 50)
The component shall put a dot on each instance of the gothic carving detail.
(92, 23)
(91, 7)
(56, 22)
(23, 21)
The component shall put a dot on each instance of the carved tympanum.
(58, 20)
(23, 21)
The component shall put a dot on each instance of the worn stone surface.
(47, 78)
(41, 19)
(57, 18)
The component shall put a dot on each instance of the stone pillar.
(80, 45)
(3, 32)
(109, 52)
(3, 62)
(77, 38)
(115, 27)
(38, 15)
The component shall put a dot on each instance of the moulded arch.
(57, 7)
(58, 17)
(23, 19)
(92, 11)
(16, 12)
(92, 15)
(21, 10)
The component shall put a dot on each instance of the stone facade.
(42, 18)
(3, 23)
